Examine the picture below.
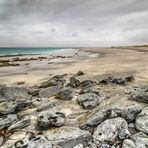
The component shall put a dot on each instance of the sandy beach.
(93, 61)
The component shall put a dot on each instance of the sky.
(73, 23)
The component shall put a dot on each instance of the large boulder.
(127, 110)
(68, 137)
(142, 121)
(13, 93)
(48, 119)
(7, 121)
(49, 91)
(110, 130)
(140, 94)
(66, 93)
(57, 80)
(90, 100)
(14, 99)
(139, 140)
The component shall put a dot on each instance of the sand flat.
(94, 61)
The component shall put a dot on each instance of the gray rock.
(74, 82)
(142, 121)
(19, 125)
(57, 80)
(36, 102)
(90, 100)
(14, 93)
(127, 143)
(14, 99)
(89, 89)
(128, 111)
(9, 107)
(79, 146)
(33, 142)
(139, 140)
(140, 94)
(7, 121)
(46, 106)
(48, 119)
(50, 91)
(68, 137)
(66, 93)
(109, 130)
(119, 79)
(87, 83)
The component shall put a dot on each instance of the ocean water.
(26, 51)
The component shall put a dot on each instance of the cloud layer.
(73, 22)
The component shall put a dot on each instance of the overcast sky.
(73, 22)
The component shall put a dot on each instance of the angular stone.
(74, 82)
(142, 121)
(66, 93)
(68, 137)
(90, 100)
(14, 93)
(19, 125)
(7, 121)
(109, 130)
(140, 94)
(48, 119)
(50, 91)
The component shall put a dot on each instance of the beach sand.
(93, 61)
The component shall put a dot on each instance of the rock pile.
(70, 112)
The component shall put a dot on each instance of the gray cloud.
(73, 22)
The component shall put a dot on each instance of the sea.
(26, 51)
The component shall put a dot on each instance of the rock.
(20, 83)
(14, 93)
(87, 83)
(57, 80)
(45, 106)
(14, 99)
(79, 146)
(140, 94)
(127, 143)
(74, 82)
(89, 89)
(90, 100)
(19, 125)
(33, 142)
(7, 121)
(80, 73)
(49, 91)
(118, 78)
(139, 140)
(66, 93)
(34, 91)
(109, 130)
(39, 101)
(68, 137)
(142, 121)
(48, 119)
(128, 111)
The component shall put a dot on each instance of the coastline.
(94, 61)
